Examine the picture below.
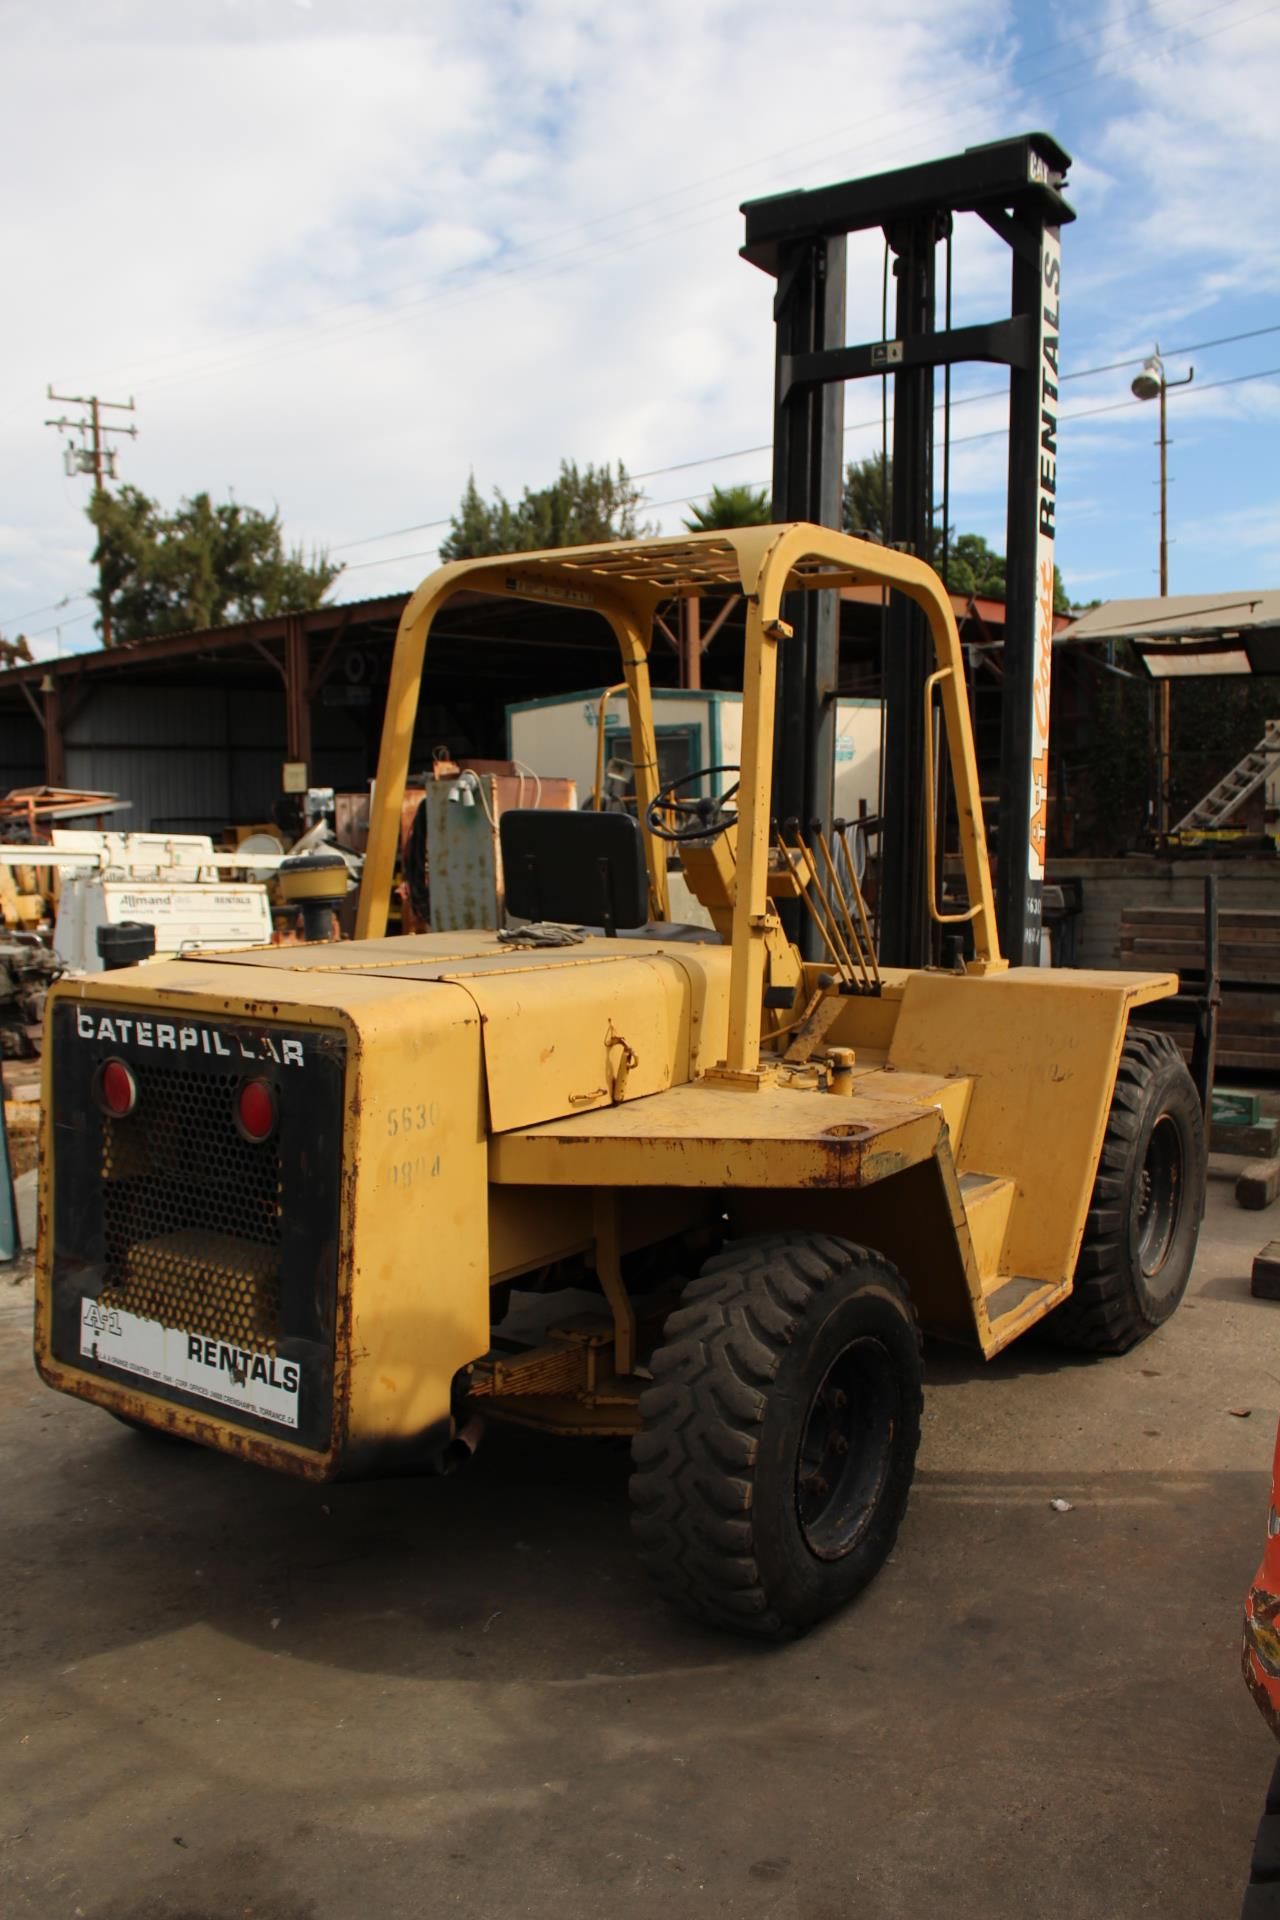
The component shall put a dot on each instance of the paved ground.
(226, 1697)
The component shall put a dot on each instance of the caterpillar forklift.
(330, 1208)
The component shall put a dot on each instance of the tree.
(200, 566)
(581, 507)
(868, 497)
(971, 565)
(731, 507)
(15, 653)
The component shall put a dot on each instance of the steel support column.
(905, 933)
(808, 483)
(297, 693)
(55, 745)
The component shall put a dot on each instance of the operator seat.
(583, 869)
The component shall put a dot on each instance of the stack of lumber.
(1160, 939)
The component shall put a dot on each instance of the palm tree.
(731, 507)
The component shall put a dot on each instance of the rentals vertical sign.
(1046, 523)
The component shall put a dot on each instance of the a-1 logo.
(102, 1319)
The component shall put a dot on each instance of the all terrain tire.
(778, 1439)
(1148, 1197)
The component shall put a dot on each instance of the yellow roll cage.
(626, 584)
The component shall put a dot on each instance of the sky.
(344, 253)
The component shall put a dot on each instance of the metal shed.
(194, 728)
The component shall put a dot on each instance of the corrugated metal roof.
(1179, 616)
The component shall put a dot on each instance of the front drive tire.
(778, 1439)
(1148, 1199)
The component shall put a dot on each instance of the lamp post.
(1153, 384)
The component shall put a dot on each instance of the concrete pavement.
(228, 1697)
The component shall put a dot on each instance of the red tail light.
(117, 1089)
(256, 1110)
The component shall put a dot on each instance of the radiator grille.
(192, 1212)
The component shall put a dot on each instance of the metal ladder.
(1244, 778)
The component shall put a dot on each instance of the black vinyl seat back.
(584, 868)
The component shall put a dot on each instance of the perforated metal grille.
(192, 1212)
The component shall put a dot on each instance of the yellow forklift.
(329, 1208)
(287, 1194)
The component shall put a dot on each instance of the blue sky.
(343, 252)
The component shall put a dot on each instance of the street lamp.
(1153, 384)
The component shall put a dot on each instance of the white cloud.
(345, 253)
(1254, 531)
(1199, 142)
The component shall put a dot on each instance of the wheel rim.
(1160, 1189)
(846, 1449)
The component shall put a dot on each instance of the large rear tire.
(778, 1440)
(1148, 1198)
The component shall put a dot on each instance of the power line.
(50, 606)
(994, 433)
(392, 533)
(857, 426)
(972, 399)
(58, 626)
(1175, 353)
(1116, 406)
(394, 559)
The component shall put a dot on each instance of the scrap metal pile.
(27, 970)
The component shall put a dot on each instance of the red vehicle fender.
(1260, 1654)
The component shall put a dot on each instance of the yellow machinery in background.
(326, 1207)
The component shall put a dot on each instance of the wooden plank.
(1168, 930)
(1259, 1141)
(1166, 960)
(1242, 1018)
(1237, 1060)
(1194, 916)
(1265, 1284)
(1258, 1184)
(1171, 936)
(1188, 927)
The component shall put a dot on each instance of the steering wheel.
(703, 818)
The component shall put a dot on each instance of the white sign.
(235, 1377)
(1046, 527)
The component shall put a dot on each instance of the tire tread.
(691, 1488)
(1102, 1314)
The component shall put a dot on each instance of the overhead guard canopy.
(626, 583)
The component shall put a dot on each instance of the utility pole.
(95, 457)
(1150, 384)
